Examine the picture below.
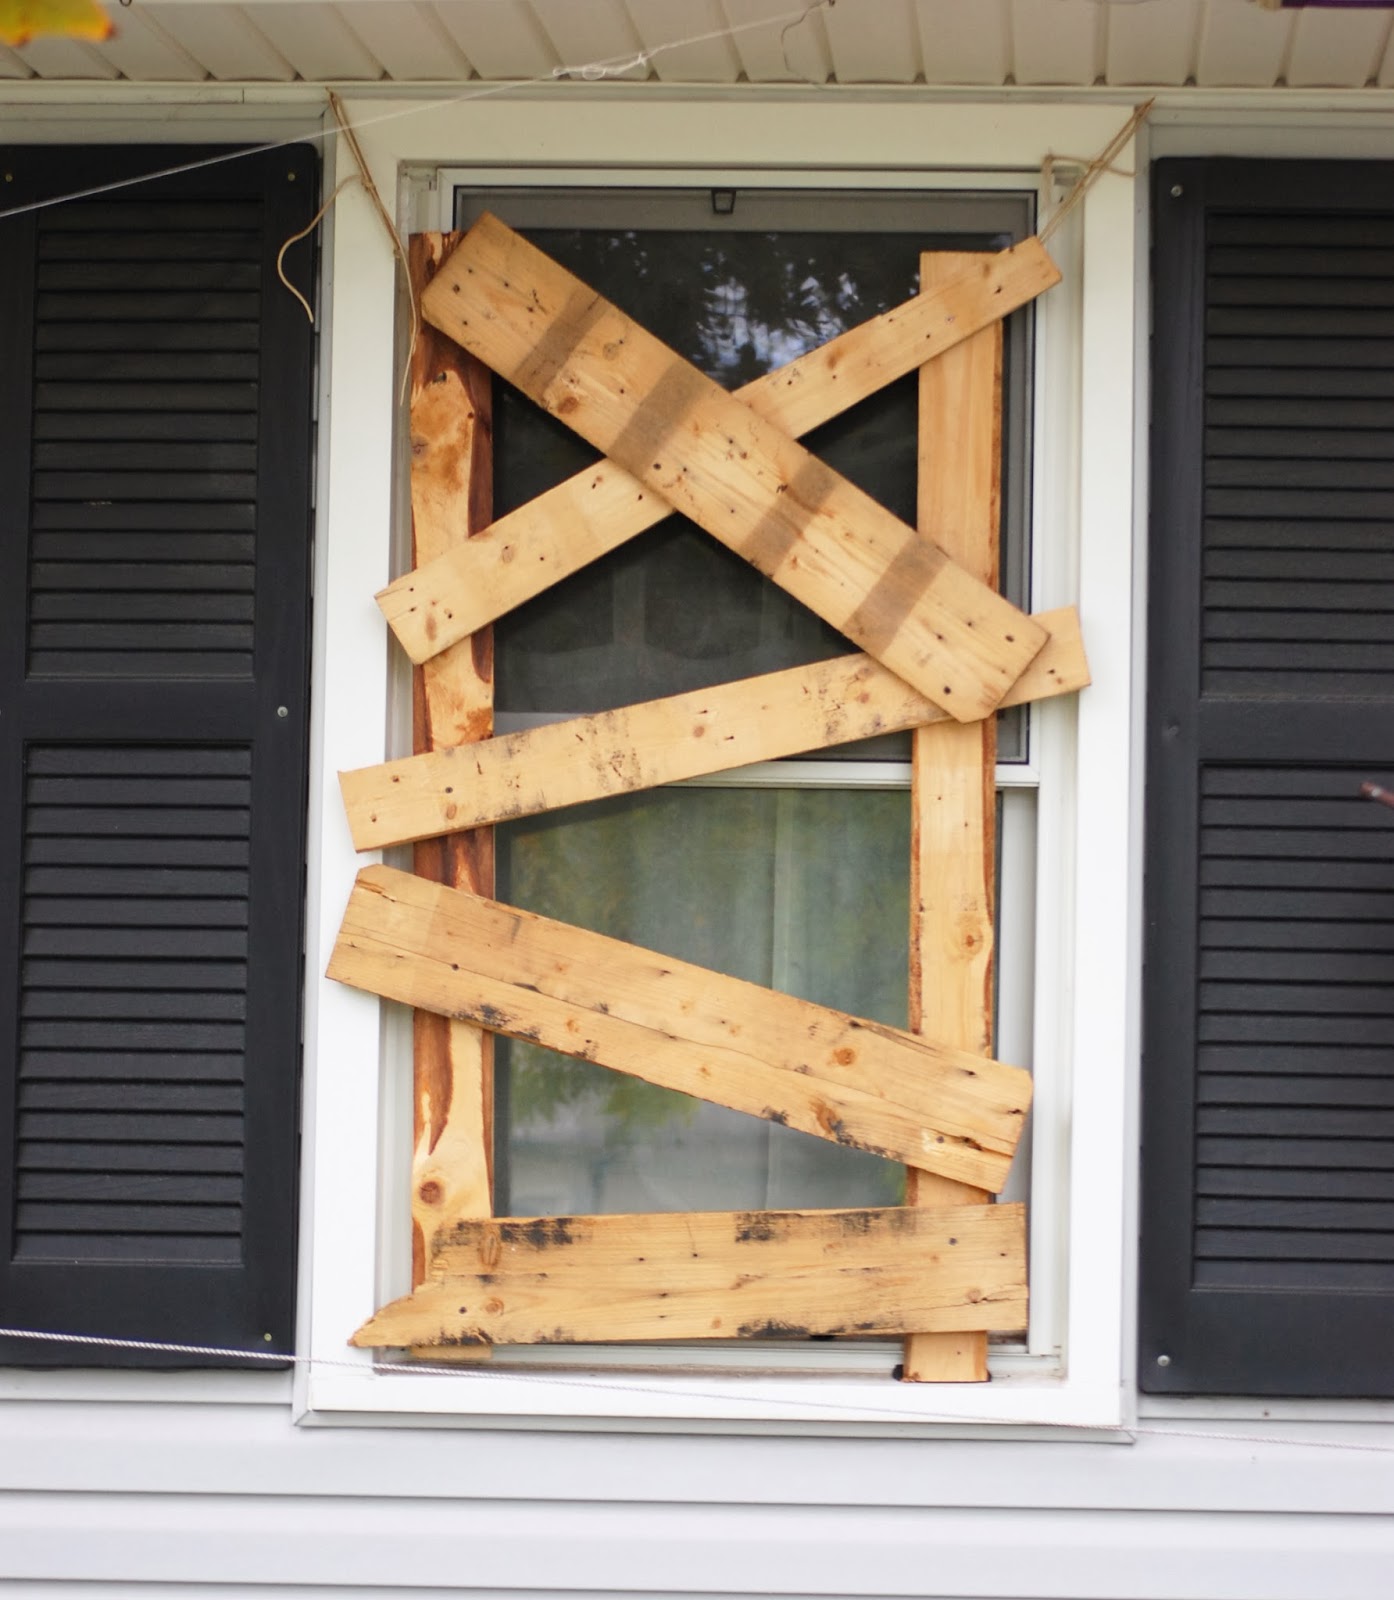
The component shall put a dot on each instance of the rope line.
(589, 71)
(670, 1392)
(295, 238)
(1103, 162)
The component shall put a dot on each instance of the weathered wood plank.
(717, 1275)
(662, 741)
(953, 768)
(595, 511)
(452, 704)
(747, 483)
(733, 1043)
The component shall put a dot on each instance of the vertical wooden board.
(953, 801)
(452, 704)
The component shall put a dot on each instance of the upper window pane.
(739, 292)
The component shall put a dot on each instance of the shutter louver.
(1268, 1127)
(133, 1004)
(154, 567)
(1299, 456)
(1295, 1099)
(146, 367)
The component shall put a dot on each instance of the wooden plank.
(733, 1043)
(597, 510)
(824, 540)
(662, 741)
(452, 704)
(717, 1275)
(953, 774)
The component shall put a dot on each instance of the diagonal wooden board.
(747, 483)
(596, 510)
(715, 1275)
(662, 741)
(841, 1078)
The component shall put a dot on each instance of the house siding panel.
(240, 1492)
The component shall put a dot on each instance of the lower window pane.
(803, 890)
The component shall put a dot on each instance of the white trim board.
(1088, 491)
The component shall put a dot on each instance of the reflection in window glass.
(676, 610)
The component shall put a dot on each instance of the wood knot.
(430, 1193)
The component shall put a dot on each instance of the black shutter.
(1268, 1113)
(155, 460)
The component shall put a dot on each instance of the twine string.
(671, 1392)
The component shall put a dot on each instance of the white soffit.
(1124, 44)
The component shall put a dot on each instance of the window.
(1268, 1251)
(814, 1072)
(795, 876)
(1080, 477)
(155, 389)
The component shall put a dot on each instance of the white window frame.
(1074, 1369)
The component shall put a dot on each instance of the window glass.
(802, 890)
(799, 889)
(738, 293)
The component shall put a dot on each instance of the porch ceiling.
(1118, 43)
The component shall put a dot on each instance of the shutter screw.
(282, 711)
(290, 177)
(1176, 191)
(267, 1338)
(1163, 1361)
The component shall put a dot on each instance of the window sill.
(1026, 1393)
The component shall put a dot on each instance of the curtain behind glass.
(803, 890)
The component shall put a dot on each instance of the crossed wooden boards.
(942, 648)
